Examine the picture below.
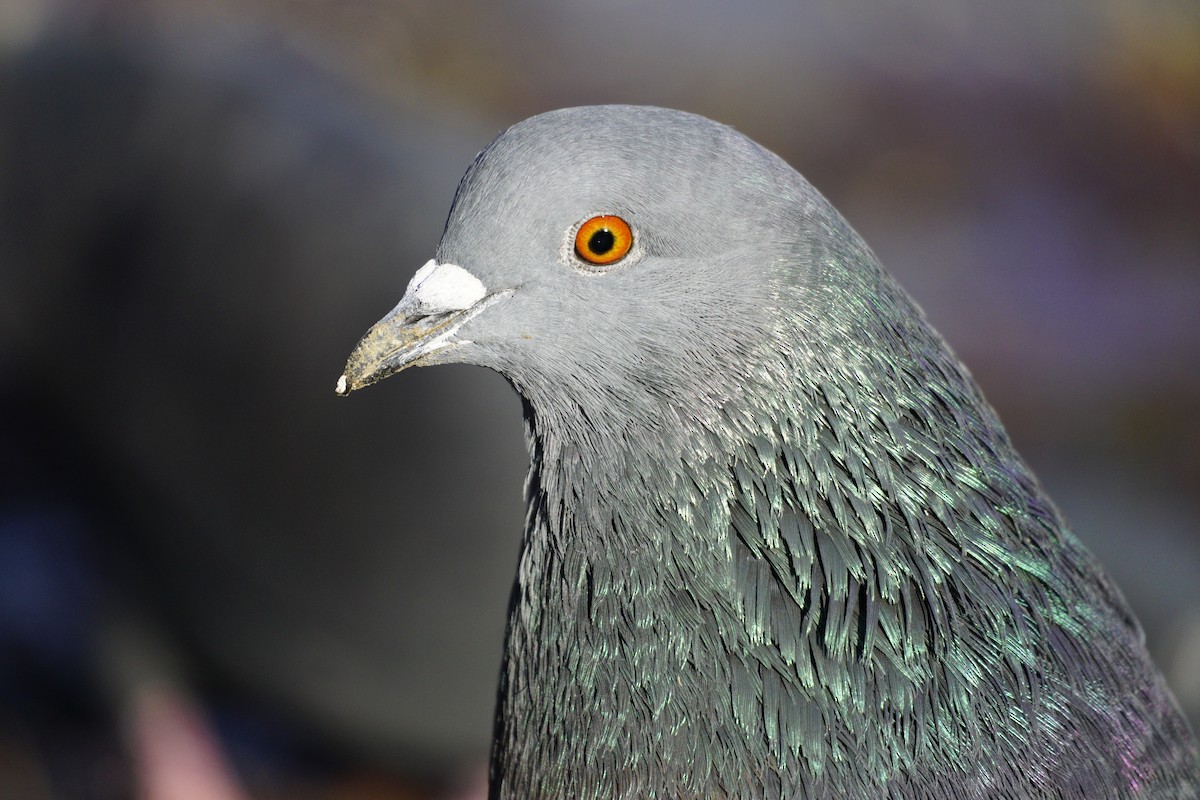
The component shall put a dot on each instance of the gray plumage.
(777, 545)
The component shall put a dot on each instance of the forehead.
(615, 158)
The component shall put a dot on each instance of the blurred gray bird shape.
(778, 545)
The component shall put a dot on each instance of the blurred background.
(218, 580)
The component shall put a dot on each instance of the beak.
(439, 300)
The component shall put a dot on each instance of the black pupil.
(601, 242)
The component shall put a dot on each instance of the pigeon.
(777, 543)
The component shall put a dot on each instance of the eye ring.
(603, 240)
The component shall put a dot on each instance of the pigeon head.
(603, 254)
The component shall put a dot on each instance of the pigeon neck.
(744, 591)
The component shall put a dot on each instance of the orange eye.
(603, 240)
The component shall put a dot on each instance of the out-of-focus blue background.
(204, 204)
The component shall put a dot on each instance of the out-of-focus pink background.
(219, 580)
